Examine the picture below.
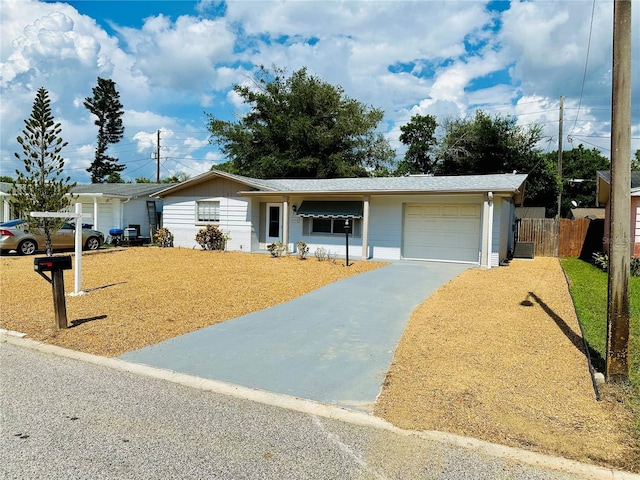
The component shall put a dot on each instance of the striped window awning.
(326, 209)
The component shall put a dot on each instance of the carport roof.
(119, 189)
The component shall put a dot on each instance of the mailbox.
(52, 264)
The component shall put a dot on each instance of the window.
(330, 226)
(207, 211)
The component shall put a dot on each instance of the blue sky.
(172, 61)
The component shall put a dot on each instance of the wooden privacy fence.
(561, 238)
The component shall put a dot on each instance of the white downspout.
(121, 219)
(489, 228)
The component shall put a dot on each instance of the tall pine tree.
(41, 187)
(105, 105)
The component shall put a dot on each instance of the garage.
(442, 232)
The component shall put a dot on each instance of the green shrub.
(635, 267)
(277, 249)
(212, 238)
(601, 260)
(303, 250)
(163, 238)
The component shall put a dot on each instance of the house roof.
(107, 189)
(498, 183)
(118, 189)
(603, 185)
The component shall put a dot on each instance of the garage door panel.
(442, 232)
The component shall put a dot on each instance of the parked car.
(15, 236)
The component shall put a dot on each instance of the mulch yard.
(493, 354)
(141, 296)
(498, 355)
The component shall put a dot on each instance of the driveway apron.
(333, 345)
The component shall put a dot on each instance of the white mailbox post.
(78, 242)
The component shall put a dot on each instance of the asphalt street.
(65, 418)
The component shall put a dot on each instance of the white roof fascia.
(97, 195)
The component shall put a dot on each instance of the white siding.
(179, 216)
(385, 227)
(637, 232)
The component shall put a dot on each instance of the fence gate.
(541, 232)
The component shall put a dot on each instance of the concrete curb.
(326, 411)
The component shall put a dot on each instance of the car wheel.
(92, 243)
(27, 247)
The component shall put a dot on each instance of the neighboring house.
(110, 205)
(465, 219)
(5, 210)
(530, 212)
(604, 197)
(589, 213)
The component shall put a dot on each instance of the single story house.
(468, 219)
(109, 206)
(603, 190)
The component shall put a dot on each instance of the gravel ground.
(497, 355)
(141, 296)
(494, 354)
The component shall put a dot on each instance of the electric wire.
(586, 63)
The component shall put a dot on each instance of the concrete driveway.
(333, 345)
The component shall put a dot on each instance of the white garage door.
(442, 232)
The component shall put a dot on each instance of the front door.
(274, 222)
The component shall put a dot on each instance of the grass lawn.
(588, 286)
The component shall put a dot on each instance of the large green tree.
(301, 127)
(579, 167)
(105, 105)
(419, 137)
(483, 144)
(41, 187)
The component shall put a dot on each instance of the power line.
(586, 63)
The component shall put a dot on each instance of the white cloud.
(403, 57)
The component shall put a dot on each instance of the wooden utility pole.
(617, 361)
(560, 187)
(158, 159)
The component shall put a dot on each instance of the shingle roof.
(505, 182)
(459, 183)
(635, 179)
(115, 189)
(120, 189)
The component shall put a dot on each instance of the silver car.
(15, 236)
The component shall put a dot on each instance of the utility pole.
(617, 361)
(560, 187)
(158, 159)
